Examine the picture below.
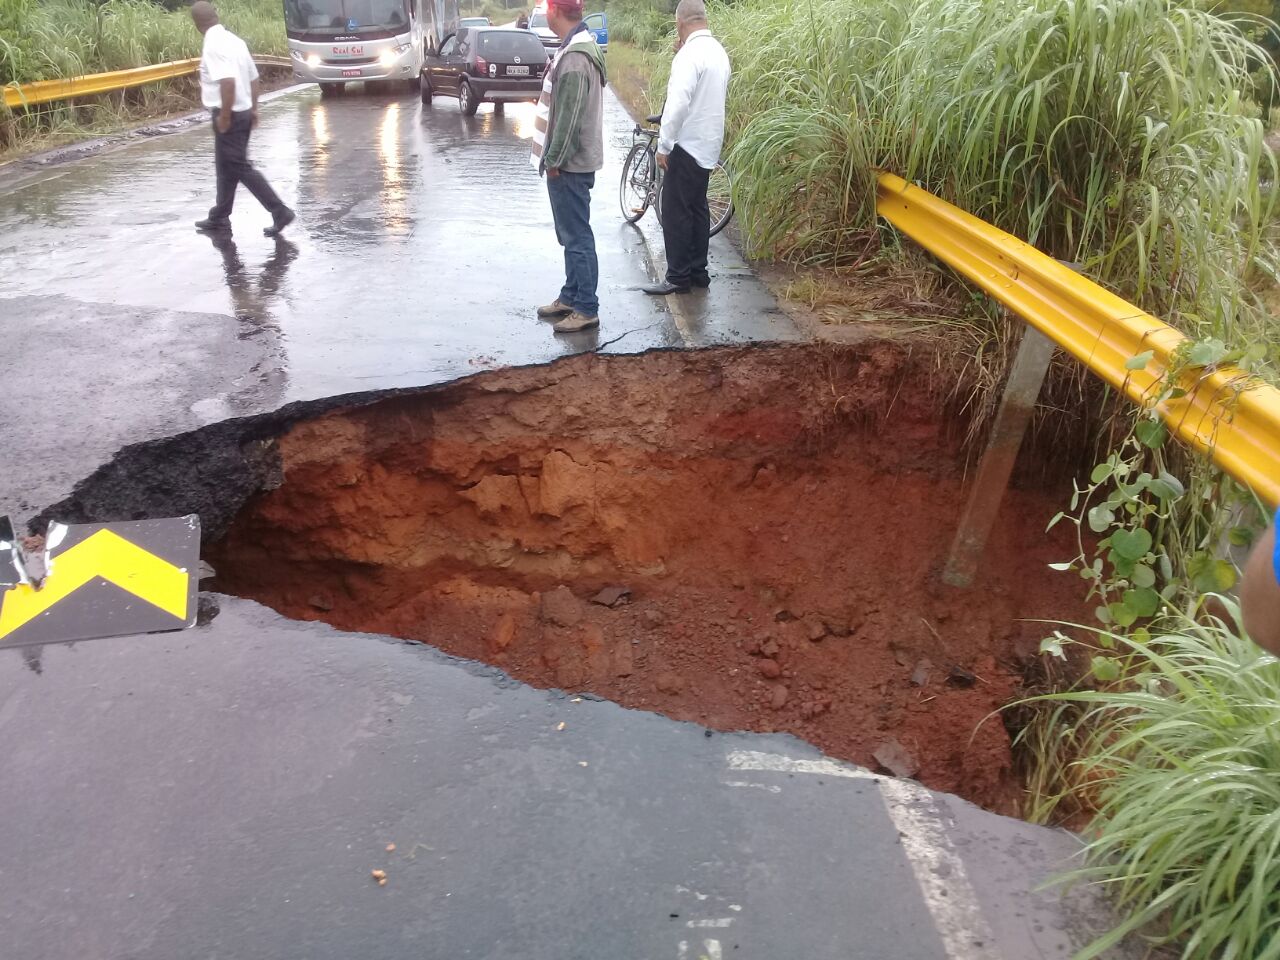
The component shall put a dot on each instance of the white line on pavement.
(938, 869)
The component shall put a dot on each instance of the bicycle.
(641, 185)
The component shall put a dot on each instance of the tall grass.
(1117, 134)
(1181, 759)
(50, 39)
(65, 38)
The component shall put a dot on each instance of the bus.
(336, 42)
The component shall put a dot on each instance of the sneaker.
(210, 225)
(576, 321)
(555, 309)
(279, 221)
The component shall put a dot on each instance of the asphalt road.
(225, 792)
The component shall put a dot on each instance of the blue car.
(598, 23)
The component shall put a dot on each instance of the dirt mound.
(773, 519)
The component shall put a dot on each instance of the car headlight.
(313, 61)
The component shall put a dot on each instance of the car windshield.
(504, 44)
(344, 16)
(538, 20)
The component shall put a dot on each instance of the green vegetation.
(1112, 134)
(51, 39)
(1179, 756)
(65, 38)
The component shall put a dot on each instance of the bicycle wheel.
(636, 185)
(720, 198)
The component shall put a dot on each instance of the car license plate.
(351, 73)
(517, 71)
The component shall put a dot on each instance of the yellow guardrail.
(45, 91)
(1232, 418)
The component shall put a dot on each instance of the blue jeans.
(570, 195)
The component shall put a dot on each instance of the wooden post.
(1019, 400)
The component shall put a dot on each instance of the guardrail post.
(1019, 400)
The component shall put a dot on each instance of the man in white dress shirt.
(689, 147)
(229, 88)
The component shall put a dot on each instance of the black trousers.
(231, 162)
(686, 221)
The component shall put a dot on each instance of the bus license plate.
(517, 71)
(351, 73)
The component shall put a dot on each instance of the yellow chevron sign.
(72, 589)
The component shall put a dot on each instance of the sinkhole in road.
(771, 518)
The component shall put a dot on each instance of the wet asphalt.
(423, 244)
(225, 792)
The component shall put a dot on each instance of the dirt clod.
(561, 607)
(669, 682)
(778, 699)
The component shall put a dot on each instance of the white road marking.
(776, 763)
(938, 869)
(683, 950)
(713, 950)
(720, 923)
(769, 787)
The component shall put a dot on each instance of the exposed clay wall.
(778, 515)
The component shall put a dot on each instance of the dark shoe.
(663, 289)
(209, 225)
(279, 221)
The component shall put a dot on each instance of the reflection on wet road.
(424, 241)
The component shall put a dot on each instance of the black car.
(485, 63)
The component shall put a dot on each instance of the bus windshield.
(344, 16)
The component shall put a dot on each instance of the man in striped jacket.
(568, 146)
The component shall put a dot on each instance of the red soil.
(779, 515)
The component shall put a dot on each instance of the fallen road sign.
(101, 580)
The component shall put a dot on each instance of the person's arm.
(1260, 594)
(568, 104)
(680, 88)
(228, 88)
(255, 88)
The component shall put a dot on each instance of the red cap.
(568, 6)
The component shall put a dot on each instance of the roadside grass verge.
(1180, 759)
(53, 39)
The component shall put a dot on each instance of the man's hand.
(223, 123)
(552, 173)
(662, 160)
(254, 122)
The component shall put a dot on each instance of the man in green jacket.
(568, 146)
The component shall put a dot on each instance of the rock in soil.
(893, 756)
(778, 699)
(612, 596)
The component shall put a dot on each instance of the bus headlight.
(387, 58)
(313, 61)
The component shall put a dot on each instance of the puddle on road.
(777, 514)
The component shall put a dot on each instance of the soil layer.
(772, 518)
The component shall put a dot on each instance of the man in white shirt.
(689, 148)
(229, 88)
